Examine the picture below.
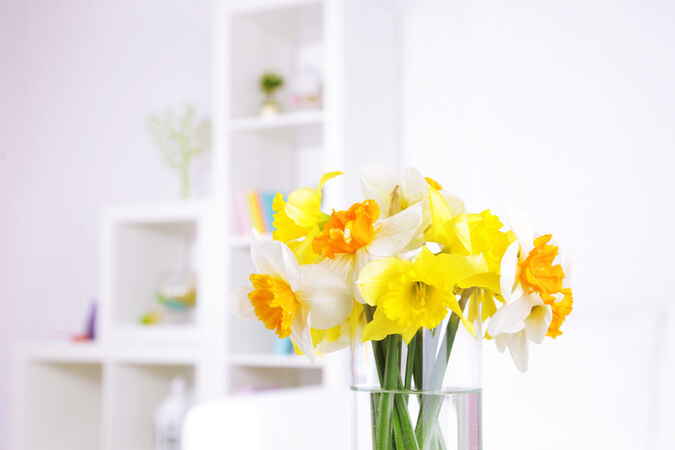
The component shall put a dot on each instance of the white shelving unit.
(102, 395)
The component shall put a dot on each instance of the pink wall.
(77, 81)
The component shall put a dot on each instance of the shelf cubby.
(285, 38)
(145, 248)
(58, 405)
(136, 390)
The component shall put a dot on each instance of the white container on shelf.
(169, 416)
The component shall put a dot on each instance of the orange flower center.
(347, 231)
(274, 303)
(560, 311)
(538, 272)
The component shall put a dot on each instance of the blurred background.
(111, 224)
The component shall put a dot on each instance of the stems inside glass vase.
(392, 425)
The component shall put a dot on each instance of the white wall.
(566, 110)
(77, 81)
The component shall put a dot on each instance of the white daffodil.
(352, 238)
(535, 290)
(394, 194)
(391, 192)
(292, 299)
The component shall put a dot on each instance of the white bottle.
(169, 417)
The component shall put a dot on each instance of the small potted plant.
(180, 138)
(270, 83)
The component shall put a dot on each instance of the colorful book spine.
(256, 211)
(267, 200)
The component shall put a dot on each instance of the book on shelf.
(253, 210)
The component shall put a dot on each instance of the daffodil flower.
(418, 293)
(352, 238)
(394, 194)
(292, 299)
(536, 291)
(471, 234)
(340, 336)
(299, 219)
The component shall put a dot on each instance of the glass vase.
(424, 394)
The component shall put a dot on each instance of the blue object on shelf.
(283, 346)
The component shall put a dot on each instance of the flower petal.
(455, 204)
(361, 259)
(241, 305)
(519, 350)
(509, 315)
(325, 295)
(396, 232)
(508, 270)
(454, 268)
(301, 334)
(304, 207)
(537, 323)
(380, 327)
(414, 186)
(378, 183)
(342, 264)
(374, 277)
(276, 259)
(488, 280)
(328, 176)
(503, 340)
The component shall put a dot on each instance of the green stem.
(408, 433)
(404, 433)
(409, 363)
(185, 179)
(427, 420)
(391, 369)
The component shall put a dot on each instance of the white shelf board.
(284, 120)
(294, 19)
(65, 352)
(62, 352)
(273, 361)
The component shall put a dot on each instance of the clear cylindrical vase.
(424, 394)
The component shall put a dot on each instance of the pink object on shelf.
(241, 212)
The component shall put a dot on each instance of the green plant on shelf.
(180, 138)
(270, 83)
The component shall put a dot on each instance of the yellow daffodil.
(352, 238)
(471, 234)
(418, 293)
(536, 290)
(299, 219)
(292, 299)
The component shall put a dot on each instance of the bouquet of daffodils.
(405, 260)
